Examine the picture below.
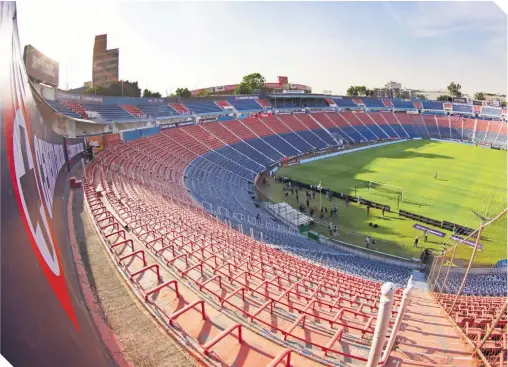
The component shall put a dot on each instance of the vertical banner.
(44, 318)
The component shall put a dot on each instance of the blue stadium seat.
(203, 107)
(63, 109)
(373, 103)
(157, 110)
(245, 104)
(491, 111)
(463, 108)
(226, 189)
(111, 112)
(433, 105)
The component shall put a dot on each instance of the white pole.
(383, 318)
(398, 320)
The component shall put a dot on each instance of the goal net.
(392, 190)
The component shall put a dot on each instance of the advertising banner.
(167, 126)
(207, 120)
(459, 99)
(111, 140)
(97, 142)
(44, 318)
(246, 97)
(40, 67)
(77, 98)
(321, 110)
(295, 91)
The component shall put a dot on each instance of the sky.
(326, 45)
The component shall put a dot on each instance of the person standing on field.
(416, 241)
(426, 235)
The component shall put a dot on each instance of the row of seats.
(127, 113)
(222, 180)
(476, 316)
(348, 126)
(215, 263)
(476, 284)
(218, 169)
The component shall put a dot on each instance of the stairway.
(180, 108)
(76, 107)
(133, 110)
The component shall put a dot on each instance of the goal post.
(380, 186)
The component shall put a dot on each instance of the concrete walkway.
(427, 337)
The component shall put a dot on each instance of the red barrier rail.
(286, 353)
(146, 268)
(181, 311)
(133, 254)
(201, 285)
(336, 337)
(161, 286)
(222, 335)
(126, 242)
(294, 325)
(120, 233)
(242, 290)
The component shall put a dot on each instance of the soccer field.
(469, 179)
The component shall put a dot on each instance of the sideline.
(346, 151)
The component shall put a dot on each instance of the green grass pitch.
(468, 179)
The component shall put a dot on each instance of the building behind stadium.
(281, 86)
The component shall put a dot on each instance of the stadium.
(269, 229)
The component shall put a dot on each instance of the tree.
(183, 92)
(360, 90)
(243, 88)
(479, 96)
(352, 91)
(421, 97)
(254, 81)
(147, 94)
(202, 93)
(119, 88)
(454, 89)
(444, 98)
